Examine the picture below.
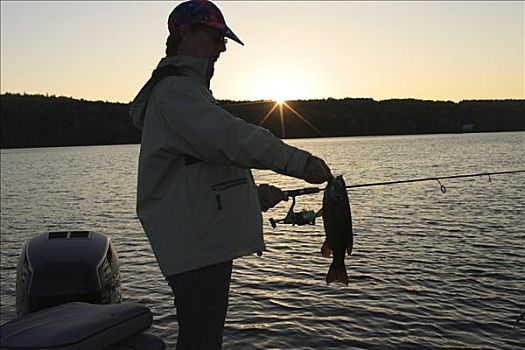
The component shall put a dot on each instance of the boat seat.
(76, 326)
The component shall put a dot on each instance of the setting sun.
(282, 82)
(280, 90)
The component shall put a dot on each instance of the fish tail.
(337, 273)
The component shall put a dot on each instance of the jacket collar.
(200, 69)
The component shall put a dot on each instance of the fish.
(337, 221)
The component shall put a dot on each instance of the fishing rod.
(436, 178)
(310, 190)
(307, 217)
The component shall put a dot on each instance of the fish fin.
(337, 274)
(325, 250)
(319, 213)
(349, 249)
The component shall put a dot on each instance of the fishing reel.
(303, 217)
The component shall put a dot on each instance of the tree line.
(45, 121)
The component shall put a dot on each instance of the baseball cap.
(200, 12)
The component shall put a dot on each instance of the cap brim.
(231, 35)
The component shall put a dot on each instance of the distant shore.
(51, 121)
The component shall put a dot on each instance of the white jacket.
(206, 212)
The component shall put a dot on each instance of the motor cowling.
(60, 267)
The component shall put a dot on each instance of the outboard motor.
(71, 275)
(60, 267)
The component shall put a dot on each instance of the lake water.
(429, 270)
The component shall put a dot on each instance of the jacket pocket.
(220, 187)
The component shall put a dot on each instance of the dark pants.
(201, 299)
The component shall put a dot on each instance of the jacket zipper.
(219, 204)
(228, 184)
(224, 186)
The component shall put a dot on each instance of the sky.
(106, 50)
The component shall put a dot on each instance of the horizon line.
(262, 100)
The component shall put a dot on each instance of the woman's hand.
(270, 196)
(316, 171)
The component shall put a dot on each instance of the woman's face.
(202, 41)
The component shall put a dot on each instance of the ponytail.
(172, 45)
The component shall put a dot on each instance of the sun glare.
(279, 89)
(284, 87)
(282, 105)
(280, 93)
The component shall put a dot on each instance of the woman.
(196, 198)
